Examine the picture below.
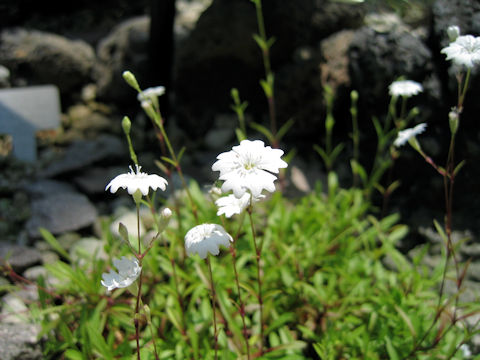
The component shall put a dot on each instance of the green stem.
(237, 282)
(213, 298)
(258, 255)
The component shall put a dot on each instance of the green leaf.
(72, 354)
(263, 130)
(260, 42)
(458, 167)
(168, 160)
(49, 238)
(390, 349)
(284, 129)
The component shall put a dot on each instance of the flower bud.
(166, 213)
(126, 125)
(453, 121)
(131, 80)
(453, 32)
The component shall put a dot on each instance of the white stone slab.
(25, 110)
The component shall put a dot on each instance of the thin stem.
(140, 280)
(258, 253)
(213, 298)
(237, 282)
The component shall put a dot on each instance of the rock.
(46, 58)
(129, 219)
(85, 152)
(19, 257)
(85, 250)
(14, 309)
(20, 341)
(94, 179)
(4, 77)
(61, 212)
(45, 187)
(463, 13)
(379, 58)
(125, 48)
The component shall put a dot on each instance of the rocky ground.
(317, 43)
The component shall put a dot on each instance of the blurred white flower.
(249, 167)
(230, 205)
(206, 238)
(406, 88)
(135, 181)
(465, 50)
(453, 32)
(128, 272)
(466, 352)
(405, 135)
(151, 93)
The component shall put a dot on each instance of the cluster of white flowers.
(405, 88)
(463, 50)
(128, 272)
(246, 170)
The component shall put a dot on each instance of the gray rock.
(85, 152)
(125, 48)
(95, 179)
(20, 341)
(86, 249)
(61, 212)
(45, 187)
(45, 58)
(19, 257)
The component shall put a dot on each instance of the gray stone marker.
(25, 110)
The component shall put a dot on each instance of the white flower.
(405, 135)
(230, 205)
(137, 181)
(128, 272)
(151, 93)
(453, 32)
(405, 88)
(466, 352)
(206, 238)
(249, 167)
(465, 50)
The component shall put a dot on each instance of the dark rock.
(45, 187)
(463, 13)
(85, 152)
(61, 212)
(379, 58)
(45, 58)
(125, 48)
(19, 341)
(220, 54)
(19, 257)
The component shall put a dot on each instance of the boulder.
(36, 57)
(60, 212)
(220, 53)
(125, 48)
(20, 341)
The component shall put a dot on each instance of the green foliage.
(327, 290)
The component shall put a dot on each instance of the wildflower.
(406, 88)
(407, 134)
(230, 205)
(206, 238)
(128, 272)
(151, 93)
(137, 181)
(465, 50)
(249, 167)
